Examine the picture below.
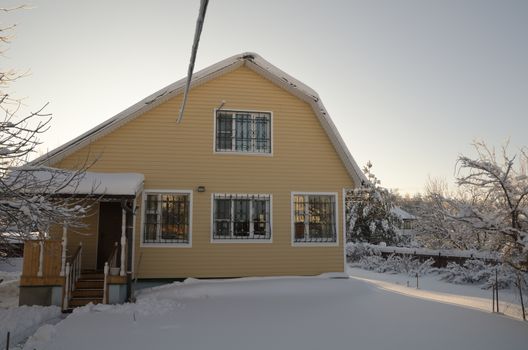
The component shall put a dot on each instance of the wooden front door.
(109, 231)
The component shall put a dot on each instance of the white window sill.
(165, 245)
(237, 241)
(239, 153)
(315, 244)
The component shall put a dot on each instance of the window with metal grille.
(241, 216)
(246, 132)
(167, 218)
(314, 218)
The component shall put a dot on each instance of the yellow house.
(250, 183)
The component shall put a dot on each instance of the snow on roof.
(60, 181)
(251, 60)
(108, 183)
(402, 214)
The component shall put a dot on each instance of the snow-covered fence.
(441, 257)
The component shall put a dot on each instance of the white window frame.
(233, 151)
(243, 240)
(336, 217)
(143, 209)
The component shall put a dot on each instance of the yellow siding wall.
(180, 156)
(86, 234)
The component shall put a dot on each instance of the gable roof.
(252, 61)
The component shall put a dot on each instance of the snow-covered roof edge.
(252, 61)
(70, 182)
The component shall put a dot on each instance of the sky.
(409, 84)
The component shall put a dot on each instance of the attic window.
(243, 132)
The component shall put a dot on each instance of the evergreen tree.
(369, 215)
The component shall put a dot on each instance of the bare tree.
(501, 184)
(29, 201)
(438, 226)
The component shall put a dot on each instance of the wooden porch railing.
(110, 264)
(72, 272)
(42, 263)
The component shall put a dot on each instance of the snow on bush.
(369, 257)
(478, 272)
(397, 264)
(356, 251)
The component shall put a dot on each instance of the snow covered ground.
(280, 313)
(471, 296)
(10, 276)
(22, 321)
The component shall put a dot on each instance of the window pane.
(174, 217)
(241, 220)
(151, 227)
(262, 133)
(260, 217)
(222, 217)
(243, 132)
(167, 218)
(299, 217)
(314, 218)
(151, 218)
(241, 217)
(224, 131)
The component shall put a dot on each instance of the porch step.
(77, 302)
(86, 283)
(92, 276)
(87, 293)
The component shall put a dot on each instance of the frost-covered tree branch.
(502, 183)
(30, 200)
(438, 226)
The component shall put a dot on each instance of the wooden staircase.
(89, 288)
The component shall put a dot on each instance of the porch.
(74, 267)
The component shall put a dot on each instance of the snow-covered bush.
(356, 251)
(478, 272)
(397, 264)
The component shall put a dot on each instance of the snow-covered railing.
(73, 272)
(447, 253)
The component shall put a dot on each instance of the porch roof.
(70, 182)
(107, 184)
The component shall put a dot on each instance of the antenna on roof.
(197, 32)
